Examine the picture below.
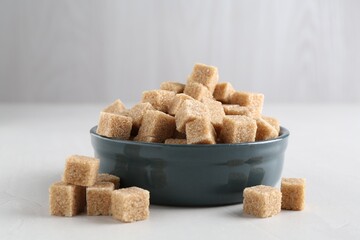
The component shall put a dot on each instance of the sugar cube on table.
(66, 199)
(159, 99)
(105, 177)
(216, 111)
(130, 204)
(197, 91)
(81, 170)
(173, 86)
(264, 130)
(293, 193)
(116, 107)
(262, 201)
(189, 111)
(177, 102)
(206, 75)
(200, 131)
(98, 198)
(238, 129)
(248, 99)
(114, 126)
(158, 125)
(223, 92)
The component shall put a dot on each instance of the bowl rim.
(284, 133)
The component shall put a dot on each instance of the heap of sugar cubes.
(202, 111)
(83, 188)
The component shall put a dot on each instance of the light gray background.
(96, 51)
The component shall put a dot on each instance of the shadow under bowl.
(192, 175)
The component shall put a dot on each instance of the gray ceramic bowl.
(192, 175)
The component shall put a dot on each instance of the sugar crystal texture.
(262, 201)
(200, 131)
(264, 130)
(66, 199)
(197, 91)
(137, 112)
(175, 141)
(293, 193)
(238, 129)
(159, 99)
(223, 92)
(247, 99)
(98, 199)
(216, 111)
(114, 126)
(235, 109)
(105, 177)
(273, 122)
(177, 102)
(206, 75)
(116, 107)
(81, 170)
(173, 86)
(158, 125)
(130, 204)
(189, 111)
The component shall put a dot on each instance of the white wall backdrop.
(96, 51)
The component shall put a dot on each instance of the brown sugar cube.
(238, 129)
(114, 126)
(175, 141)
(105, 177)
(273, 122)
(116, 107)
(177, 102)
(66, 199)
(137, 112)
(200, 131)
(223, 92)
(264, 130)
(206, 75)
(179, 135)
(262, 201)
(216, 111)
(81, 170)
(130, 204)
(248, 99)
(197, 91)
(235, 109)
(158, 125)
(147, 139)
(189, 111)
(173, 86)
(293, 193)
(159, 99)
(98, 199)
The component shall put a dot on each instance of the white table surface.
(324, 147)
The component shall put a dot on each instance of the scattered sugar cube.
(98, 199)
(200, 131)
(293, 193)
(238, 129)
(235, 109)
(159, 99)
(137, 112)
(206, 75)
(177, 102)
(175, 141)
(197, 91)
(114, 126)
(216, 111)
(223, 92)
(105, 177)
(158, 125)
(273, 122)
(66, 199)
(116, 107)
(81, 170)
(248, 99)
(264, 130)
(173, 86)
(130, 204)
(262, 201)
(189, 111)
